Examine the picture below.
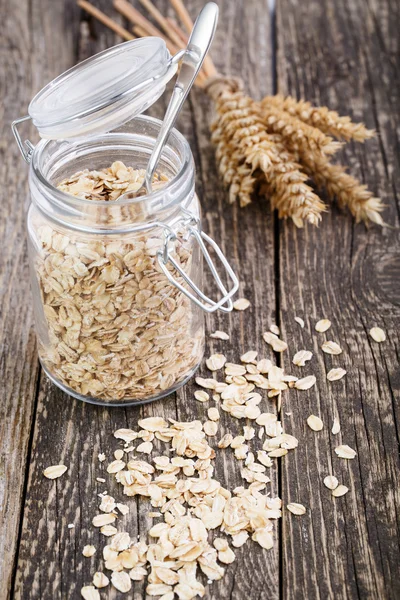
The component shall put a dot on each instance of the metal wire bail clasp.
(26, 148)
(164, 256)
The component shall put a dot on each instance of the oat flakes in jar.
(117, 283)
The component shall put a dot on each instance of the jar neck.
(132, 144)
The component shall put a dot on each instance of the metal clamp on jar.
(117, 285)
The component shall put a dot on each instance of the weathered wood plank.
(18, 363)
(66, 430)
(342, 54)
(247, 238)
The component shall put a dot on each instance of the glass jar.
(117, 286)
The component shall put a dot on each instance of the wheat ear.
(346, 189)
(240, 130)
(328, 121)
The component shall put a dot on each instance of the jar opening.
(131, 144)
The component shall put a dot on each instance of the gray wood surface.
(333, 52)
(342, 54)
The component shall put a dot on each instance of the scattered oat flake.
(315, 423)
(219, 335)
(241, 304)
(153, 423)
(201, 396)
(226, 556)
(213, 414)
(239, 539)
(210, 428)
(331, 348)
(274, 329)
(115, 466)
(70, 526)
(377, 334)
(225, 441)
(108, 530)
(101, 457)
(249, 357)
(331, 482)
(300, 321)
(121, 581)
(145, 447)
(100, 580)
(55, 471)
(88, 551)
(335, 426)
(277, 453)
(301, 357)
(335, 374)
(323, 325)
(341, 490)
(128, 435)
(100, 479)
(103, 519)
(296, 509)
(123, 508)
(89, 592)
(215, 362)
(306, 383)
(345, 451)
(276, 343)
(118, 454)
(209, 384)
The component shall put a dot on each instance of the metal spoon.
(192, 60)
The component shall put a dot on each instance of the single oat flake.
(121, 581)
(315, 423)
(377, 334)
(153, 424)
(89, 592)
(345, 451)
(335, 426)
(201, 396)
(323, 325)
(331, 482)
(100, 580)
(103, 519)
(301, 357)
(306, 383)
(249, 357)
(215, 362)
(331, 348)
(300, 321)
(341, 490)
(241, 304)
(55, 471)
(219, 335)
(88, 551)
(336, 374)
(296, 509)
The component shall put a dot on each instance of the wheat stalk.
(270, 147)
(244, 145)
(346, 189)
(327, 121)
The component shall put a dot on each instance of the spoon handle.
(197, 48)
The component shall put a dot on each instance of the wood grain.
(78, 432)
(18, 362)
(341, 54)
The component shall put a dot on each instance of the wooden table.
(336, 52)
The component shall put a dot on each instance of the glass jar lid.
(104, 91)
